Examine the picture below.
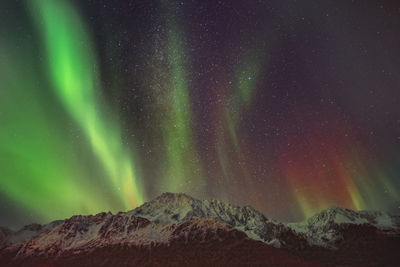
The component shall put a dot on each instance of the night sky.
(288, 106)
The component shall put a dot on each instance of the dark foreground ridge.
(178, 230)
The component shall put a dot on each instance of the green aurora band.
(38, 169)
(71, 64)
(180, 152)
(48, 176)
(179, 167)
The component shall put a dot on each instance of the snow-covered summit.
(337, 215)
(325, 228)
(174, 208)
(177, 207)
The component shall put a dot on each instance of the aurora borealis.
(285, 106)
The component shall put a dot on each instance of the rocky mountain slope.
(178, 229)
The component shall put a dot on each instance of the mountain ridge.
(179, 220)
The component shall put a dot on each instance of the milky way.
(285, 106)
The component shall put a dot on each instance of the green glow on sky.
(43, 168)
(39, 170)
(203, 123)
(72, 69)
(181, 157)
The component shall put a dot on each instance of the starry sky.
(288, 106)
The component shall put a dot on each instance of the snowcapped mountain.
(172, 208)
(326, 228)
(181, 223)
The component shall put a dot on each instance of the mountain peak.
(166, 208)
(173, 198)
(174, 195)
(331, 214)
(339, 215)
